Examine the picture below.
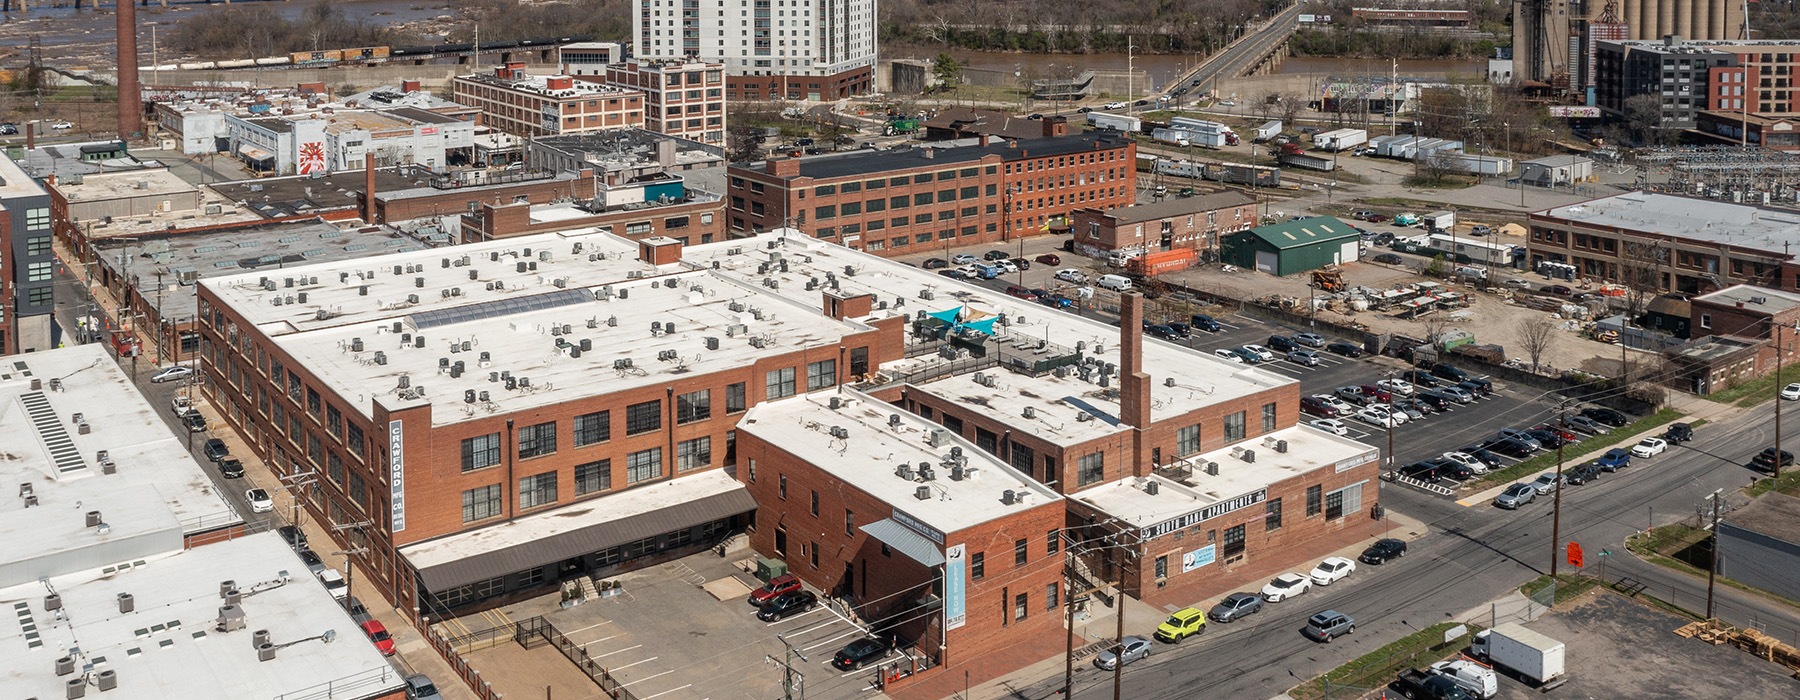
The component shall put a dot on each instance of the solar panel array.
(500, 307)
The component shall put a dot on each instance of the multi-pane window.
(643, 465)
(39, 271)
(849, 523)
(735, 401)
(1268, 415)
(1020, 606)
(37, 245)
(815, 504)
(1272, 515)
(480, 451)
(537, 490)
(334, 421)
(821, 374)
(1343, 501)
(1052, 542)
(1314, 497)
(37, 219)
(537, 440)
(784, 487)
(693, 406)
(1234, 427)
(693, 454)
(643, 417)
(1023, 458)
(1092, 468)
(353, 438)
(1187, 441)
(1050, 597)
(481, 502)
(977, 565)
(593, 428)
(593, 477)
(1234, 542)
(780, 383)
(1019, 551)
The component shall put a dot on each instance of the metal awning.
(912, 544)
(254, 153)
(584, 540)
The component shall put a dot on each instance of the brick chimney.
(1134, 384)
(369, 188)
(659, 250)
(1055, 126)
(782, 167)
(840, 306)
(409, 86)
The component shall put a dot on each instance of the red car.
(1564, 434)
(1049, 259)
(379, 636)
(780, 584)
(1020, 292)
(1378, 393)
(1377, 218)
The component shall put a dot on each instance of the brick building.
(921, 531)
(366, 374)
(645, 206)
(805, 51)
(1195, 222)
(535, 105)
(450, 197)
(894, 202)
(684, 98)
(1738, 333)
(1681, 244)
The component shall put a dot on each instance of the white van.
(1117, 283)
(1478, 680)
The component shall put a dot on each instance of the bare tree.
(1640, 264)
(1643, 115)
(1537, 334)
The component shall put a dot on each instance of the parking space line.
(801, 629)
(585, 645)
(621, 651)
(829, 640)
(617, 669)
(589, 627)
(666, 692)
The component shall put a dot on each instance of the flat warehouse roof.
(157, 493)
(170, 647)
(876, 439)
(1755, 228)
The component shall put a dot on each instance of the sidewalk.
(1142, 619)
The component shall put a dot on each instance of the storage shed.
(1293, 246)
(1556, 170)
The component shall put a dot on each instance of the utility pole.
(1069, 613)
(1776, 473)
(1556, 512)
(1119, 612)
(1712, 567)
(1386, 524)
(788, 674)
(351, 551)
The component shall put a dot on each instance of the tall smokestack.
(131, 97)
(369, 188)
(1134, 384)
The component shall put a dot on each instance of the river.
(67, 33)
(1163, 68)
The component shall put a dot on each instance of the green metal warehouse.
(1293, 246)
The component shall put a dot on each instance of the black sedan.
(1389, 259)
(1582, 474)
(216, 450)
(1512, 447)
(935, 264)
(231, 468)
(1345, 349)
(1606, 415)
(195, 422)
(1383, 551)
(1164, 332)
(786, 604)
(859, 652)
(1205, 323)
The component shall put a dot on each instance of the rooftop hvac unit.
(956, 473)
(937, 437)
(1169, 382)
(893, 420)
(922, 493)
(266, 652)
(1030, 412)
(1083, 417)
(231, 618)
(1250, 455)
(904, 471)
(1212, 468)
(107, 680)
(53, 602)
(1151, 487)
(840, 432)
(1281, 446)
(1008, 497)
(127, 603)
(65, 665)
(926, 473)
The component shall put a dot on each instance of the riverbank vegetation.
(1157, 26)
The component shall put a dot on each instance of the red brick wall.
(752, 88)
(515, 220)
(885, 585)
(1100, 229)
(456, 201)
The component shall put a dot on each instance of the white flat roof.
(100, 187)
(1308, 449)
(1742, 225)
(14, 182)
(157, 494)
(631, 502)
(1200, 379)
(169, 648)
(867, 459)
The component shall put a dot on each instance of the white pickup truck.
(182, 405)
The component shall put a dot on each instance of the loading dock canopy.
(912, 544)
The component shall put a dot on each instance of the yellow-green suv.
(1185, 623)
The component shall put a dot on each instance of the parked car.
(1766, 458)
(1183, 623)
(1585, 424)
(1476, 386)
(1388, 258)
(1286, 586)
(1450, 372)
(1018, 292)
(1556, 289)
(860, 652)
(1546, 438)
(419, 687)
(1165, 332)
(1314, 406)
(61, 125)
(1049, 259)
(195, 422)
(996, 255)
(1378, 415)
(964, 259)
(1135, 647)
(1791, 392)
(785, 583)
(1345, 349)
(293, 536)
(1205, 323)
(378, 635)
(169, 374)
(1332, 570)
(1397, 387)
(260, 502)
(231, 468)
(1560, 432)
(1409, 408)
(1019, 263)
(1229, 355)
(1475, 678)
(1335, 402)
(355, 607)
(1071, 275)
(1679, 433)
(1330, 425)
(1262, 354)
(935, 264)
(1376, 392)
(1457, 394)
(1421, 379)
(1414, 684)
(1328, 625)
(1513, 447)
(1524, 436)
(1467, 460)
(314, 563)
(1311, 340)
(334, 583)
(1486, 456)
(1383, 551)
(1649, 447)
(1281, 343)
(1607, 416)
(955, 273)
(1544, 483)
(1587, 472)
(786, 604)
(1515, 496)
(1303, 357)
(1236, 606)
(1435, 399)
(1615, 459)
(1005, 266)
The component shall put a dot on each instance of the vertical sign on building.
(396, 476)
(955, 572)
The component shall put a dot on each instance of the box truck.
(1268, 131)
(1117, 122)
(1340, 139)
(1527, 653)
